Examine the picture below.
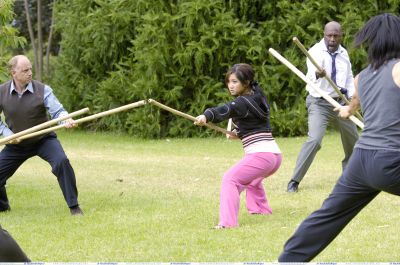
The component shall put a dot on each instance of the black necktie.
(333, 73)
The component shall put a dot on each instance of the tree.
(9, 37)
(50, 38)
(34, 19)
(39, 55)
(117, 51)
(32, 38)
(37, 47)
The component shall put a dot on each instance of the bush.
(114, 52)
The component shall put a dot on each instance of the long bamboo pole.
(87, 118)
(308, 81)
(41, 126)
(319, 68)
(229, 127)
(189, 117)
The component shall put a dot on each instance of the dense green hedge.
(115, 52)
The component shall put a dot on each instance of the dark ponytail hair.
(381, 36)
(245, 73)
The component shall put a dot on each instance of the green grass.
(157, 200)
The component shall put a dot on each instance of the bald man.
(334, 59)
(26, 103)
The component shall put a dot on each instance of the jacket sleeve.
(235, 108)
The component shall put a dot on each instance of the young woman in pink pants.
(250, 116)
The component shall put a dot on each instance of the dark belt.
(337, 98)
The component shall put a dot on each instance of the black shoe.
(76, 210)
(6, 209)
(292, 186)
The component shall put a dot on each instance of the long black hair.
(381, 34)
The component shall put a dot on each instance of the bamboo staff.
(190, 117)
(87, 118)
(308, 81)
(229, 127)
(320, 69)
(41, 126)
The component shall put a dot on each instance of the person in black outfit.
(374, 165)
(10, 251)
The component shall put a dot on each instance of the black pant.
(368, 173)
(10, 251)
(49, 149)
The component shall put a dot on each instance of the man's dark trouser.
(9, 249)
(368, 173)
(49, 149)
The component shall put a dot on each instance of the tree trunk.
(31, 36)
(50, 38)
(40, 40)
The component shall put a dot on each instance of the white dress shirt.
(344, 74)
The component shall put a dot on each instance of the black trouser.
(9, 249)
(49, 149)
(368, 173)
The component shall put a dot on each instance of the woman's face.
(235, 87)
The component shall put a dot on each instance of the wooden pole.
(229, 127)
(41, 126)
(88, 118)
(308, 81)
(189, 117)
(319, 68)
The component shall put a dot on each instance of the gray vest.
(23, 112)
(380, 104)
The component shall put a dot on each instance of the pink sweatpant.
(247, 174)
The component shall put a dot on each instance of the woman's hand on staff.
(232, 137)
(200, 120)
(348, 110)
(343, 111)
(70, 123)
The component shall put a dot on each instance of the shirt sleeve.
(235, 108)
(311, 72)
(317, 54)
(350, 81)
(4, 130)
(51, 103)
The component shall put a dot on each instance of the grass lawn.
(157, 200)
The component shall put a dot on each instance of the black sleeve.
(233, 109)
